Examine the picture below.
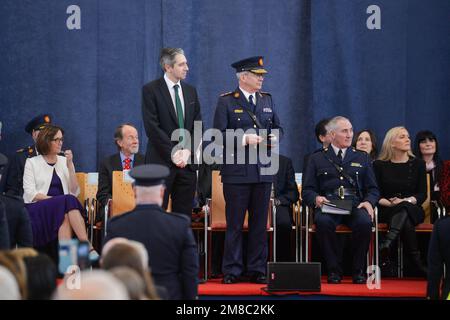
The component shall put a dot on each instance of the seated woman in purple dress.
(50, 190)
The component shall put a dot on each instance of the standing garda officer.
(167, 237)
(245, 184)
(340, 172)
(14, 174)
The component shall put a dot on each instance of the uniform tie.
(252, 104)
(340, 154)
(127, 164)
(179, 111)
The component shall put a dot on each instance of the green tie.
(179, 111)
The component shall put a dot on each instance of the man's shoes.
(334, 278)
(258, 278)
(359, 277)
(230, 279)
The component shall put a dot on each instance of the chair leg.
(400, 259)
(307, 238)
(274, 235)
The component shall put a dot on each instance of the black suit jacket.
(171, 247)
(108, 165)
(284, 184)
(438, 256)
(160, 119)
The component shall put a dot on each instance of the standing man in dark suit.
(249, 114)
(341, 172)
(286, 195)
(170, 104)
(168, 237)
(127, 141)
(14, 173)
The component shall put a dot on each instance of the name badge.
(267, 109)
(238, 111)
(355, 164)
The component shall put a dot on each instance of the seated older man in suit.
(127, 141)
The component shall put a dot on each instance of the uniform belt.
(342, 192)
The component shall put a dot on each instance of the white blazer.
(37, 177)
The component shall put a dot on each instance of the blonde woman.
(401, 179)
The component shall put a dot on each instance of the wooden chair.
(122, 194)
(88, 183)
(215, 219)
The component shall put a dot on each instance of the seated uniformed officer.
(246, 185)
(168, 237)
(14, 174)
(340, 172)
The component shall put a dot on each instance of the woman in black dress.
(401, 179)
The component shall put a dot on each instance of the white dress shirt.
(336, 151)
(248, 94)
(170, 84)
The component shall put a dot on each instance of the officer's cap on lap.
(37, 123)
(149, 174)
(252, 64)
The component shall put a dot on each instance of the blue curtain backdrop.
(323, 61)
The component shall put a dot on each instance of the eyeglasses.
(57, 140)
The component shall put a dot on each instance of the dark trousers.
(238, 199)
(180, 185)
(284, 230)
(360, 223)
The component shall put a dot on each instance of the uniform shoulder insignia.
(20, 150)
(265, 93)
(226, 94)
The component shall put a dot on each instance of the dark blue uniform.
(14, 173)
(244, 187)
(170, 244)
(322, 179)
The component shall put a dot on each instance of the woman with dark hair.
(365, 140)
(401, 178)
(50, 189)
(426, 147)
